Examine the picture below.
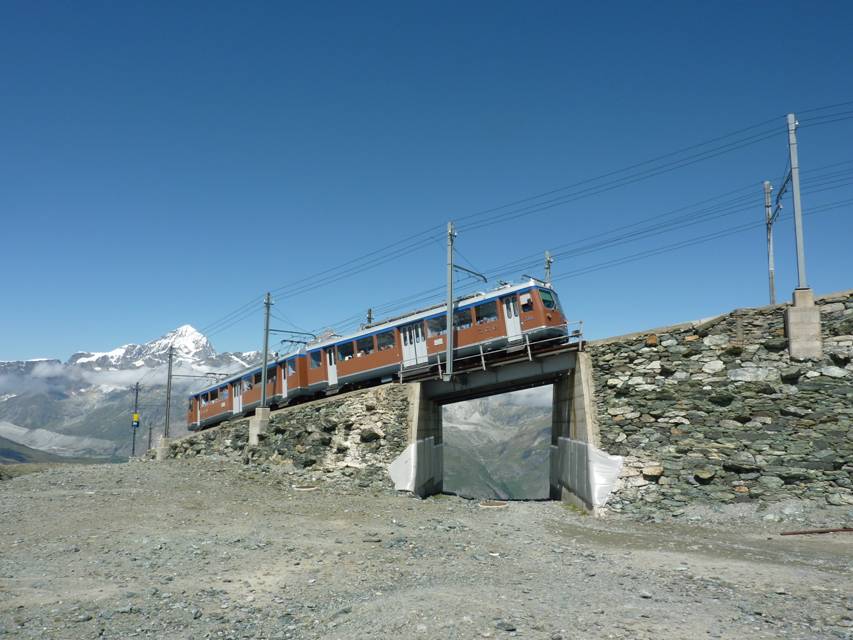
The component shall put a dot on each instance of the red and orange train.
(528, 313)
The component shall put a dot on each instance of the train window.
(364, 346)
(203, 399)
(385, 340)
(526, 303)
(345, 351)
(291, 367)
(462, 319)
(437, 326)
(190, 408)
(257, 378)
(271, 375)
(547, 299)
(486, 312)
(225, 393)
(316, 359)
(214, 395)
(247, 384)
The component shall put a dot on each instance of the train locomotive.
(511, 317)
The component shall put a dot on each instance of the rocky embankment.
(718, 412)
(352, 437)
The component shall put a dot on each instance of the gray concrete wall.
(425, 437)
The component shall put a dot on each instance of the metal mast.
(795, 193)
(267, 305)
(168, 393)
(448, 373)
(134, 423)
(548, 262)
(768, 216)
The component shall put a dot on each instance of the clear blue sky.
(164, 163)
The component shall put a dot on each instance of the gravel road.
(213, 549)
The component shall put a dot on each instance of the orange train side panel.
(361, 361)
(316, 375)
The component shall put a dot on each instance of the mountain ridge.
(83, 406)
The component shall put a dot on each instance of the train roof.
(463, 302)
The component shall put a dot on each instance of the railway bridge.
(579, 472)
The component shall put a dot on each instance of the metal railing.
(482, 359)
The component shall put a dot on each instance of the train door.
(332, 367)
(238, 397)
(420, 343)
(414, 344)
(285, 372)
(513, 322)
(198, 409)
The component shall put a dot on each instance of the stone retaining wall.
(355, 435)
(719, 411)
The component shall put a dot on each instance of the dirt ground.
(207, 549)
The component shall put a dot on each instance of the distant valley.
(499, 447)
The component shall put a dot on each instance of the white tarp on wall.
(419, 468)
(587, 472)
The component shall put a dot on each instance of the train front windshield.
(550, 300)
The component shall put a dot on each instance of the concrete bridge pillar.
(420, 468)
(574, 435)
(426, 435)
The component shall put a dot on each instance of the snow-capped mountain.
(187, 343)
(82, 406)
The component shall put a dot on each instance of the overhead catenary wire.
(299, 286)
(722, 209)
(694, 241)
(388, 252)
(615, 184)
(688, 213)
(615, 172)
(406, 249)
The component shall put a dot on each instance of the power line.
(421, 239)
(693, 241)
(397, 251)
(621, 182)
(618, 171)
(721, 209)
(825, 107)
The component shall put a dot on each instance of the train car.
(511, 316)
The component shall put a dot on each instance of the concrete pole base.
(258, 424)
(163, 448)
(802, 327)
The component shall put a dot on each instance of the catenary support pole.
(267, 304)
(168, 393)
(448, 368)
(548, 262)
(802, 282)
(768, 216)
(135, 422)
(150, 427)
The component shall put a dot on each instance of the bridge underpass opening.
(579, 472)
(499, 446)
